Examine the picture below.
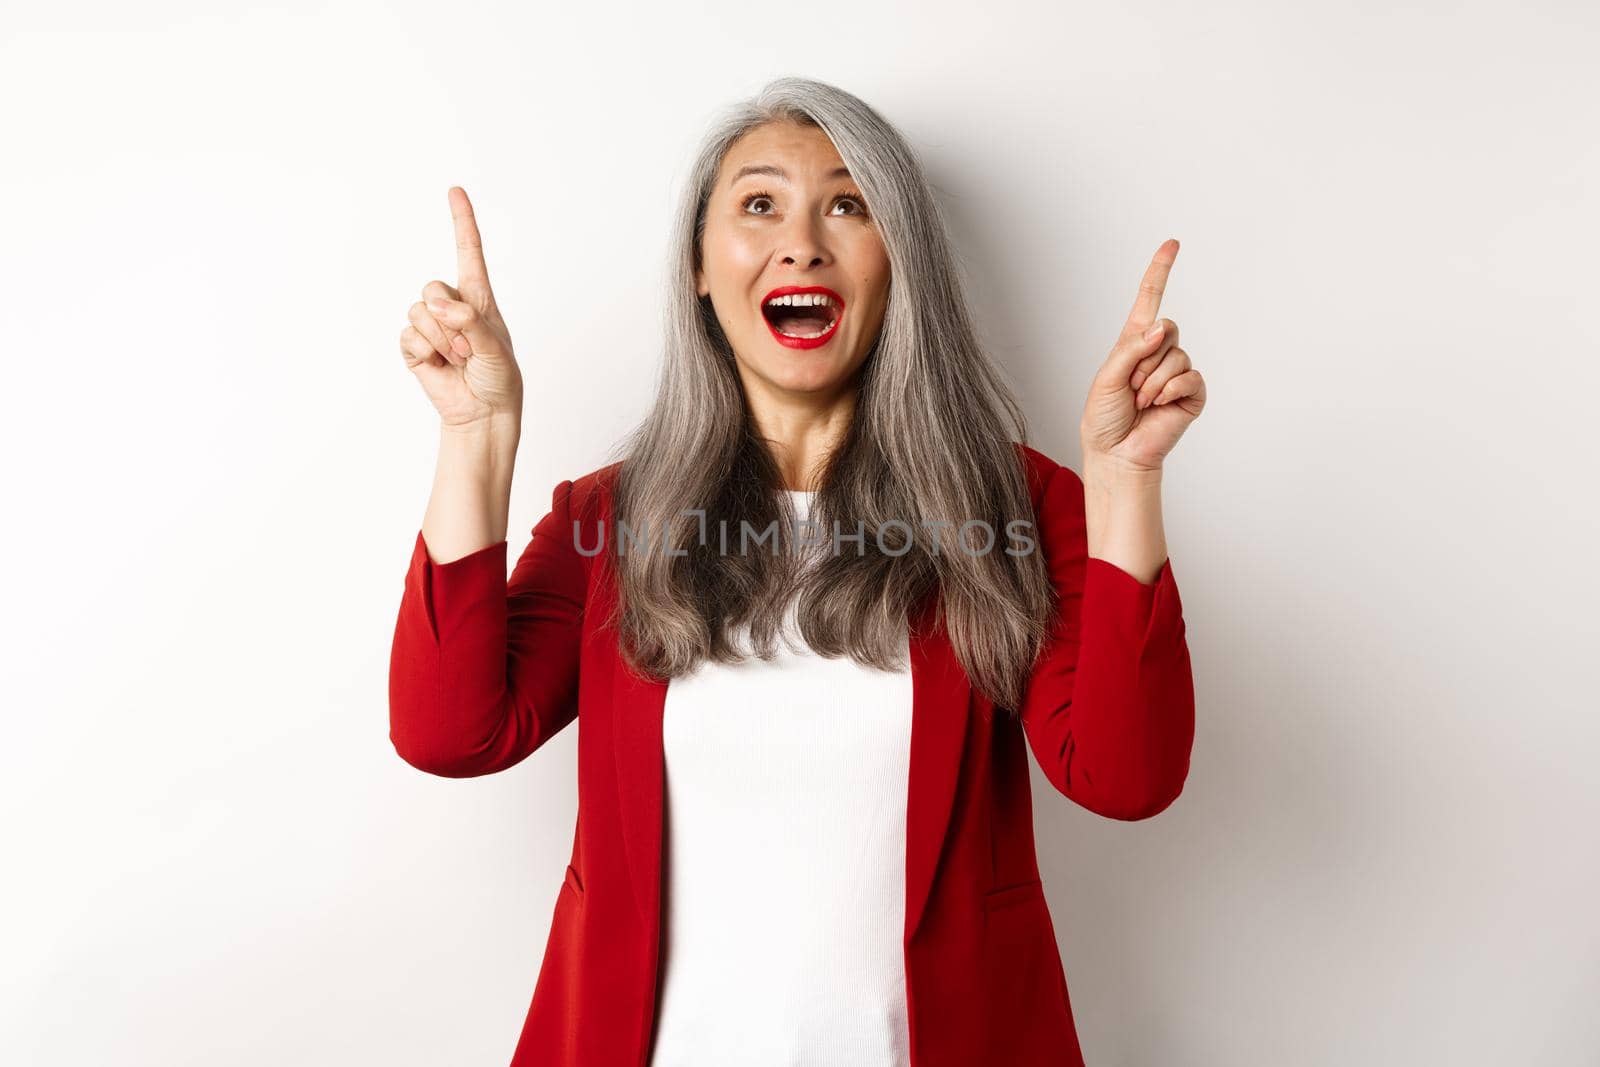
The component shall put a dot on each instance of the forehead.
(802, 152)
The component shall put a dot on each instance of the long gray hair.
(934, 436)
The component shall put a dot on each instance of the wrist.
(497, 427)
(484, 450)
(1110, 474)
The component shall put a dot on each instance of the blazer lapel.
(939, 701)
(636, 719)
(940, 694)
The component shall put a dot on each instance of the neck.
(801, 430)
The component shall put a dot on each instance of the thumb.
(1128, 352)
(1132, 348)
(461, 317)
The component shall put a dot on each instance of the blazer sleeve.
(482, 670)
(1109, 709)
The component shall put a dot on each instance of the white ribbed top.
(784, 862)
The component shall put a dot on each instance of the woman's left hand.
(1146, 393)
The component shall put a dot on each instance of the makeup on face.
(802, 316)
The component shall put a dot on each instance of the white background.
(216, 462)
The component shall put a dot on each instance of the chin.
(811, 379)
(798, 370)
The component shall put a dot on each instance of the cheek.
(877, 304)
(872, 273)
(730, 254)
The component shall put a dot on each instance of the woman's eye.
(754, 198)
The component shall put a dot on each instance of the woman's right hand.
(456, 343)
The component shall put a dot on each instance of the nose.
(803, 245)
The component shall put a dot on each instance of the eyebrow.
(778, 172)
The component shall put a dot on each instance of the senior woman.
(804, 828)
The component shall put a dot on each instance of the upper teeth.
(801, 300)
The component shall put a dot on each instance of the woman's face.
(799, 221)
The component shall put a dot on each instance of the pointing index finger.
(1154, 283)
(472, 274)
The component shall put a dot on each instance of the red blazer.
(484, 671)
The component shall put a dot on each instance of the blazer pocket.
(1010, 895)
(1025, 1012)
(573, 882)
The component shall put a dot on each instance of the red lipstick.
(804, 342)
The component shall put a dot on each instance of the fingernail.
(1153, 332)
(438, 304)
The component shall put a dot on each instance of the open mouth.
(802, 314)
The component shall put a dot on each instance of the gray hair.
(935, 436)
